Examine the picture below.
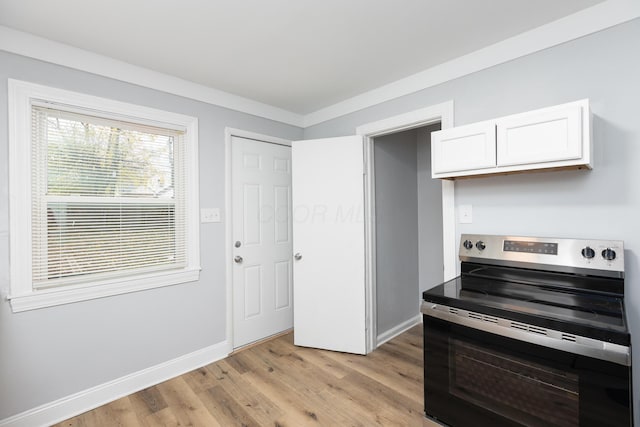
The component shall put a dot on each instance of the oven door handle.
(563, 341)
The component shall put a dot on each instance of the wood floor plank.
(278, 384)
(409, 350)
(382, 397)
(300, 411)
(201, 379)
(323, 362)
(117, 413)
(163, 418)
(403, 378)
(311, 382)
(226, 410)
(147, 401)
(305, 392)
(236, 363)
(185, 404)
(256, 404)
(79, 421)
(375, 410)
(299, 372)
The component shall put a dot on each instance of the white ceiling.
(298, 55)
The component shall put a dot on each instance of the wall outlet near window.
(210, 215)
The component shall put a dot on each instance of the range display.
(532, 247)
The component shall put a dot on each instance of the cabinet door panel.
(463, 148)
(547, 136)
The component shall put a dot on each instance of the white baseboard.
(75, 404)
(397, 330)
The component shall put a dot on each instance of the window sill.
(67, 295)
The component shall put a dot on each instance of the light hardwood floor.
(277, 384)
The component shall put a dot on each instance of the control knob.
(468, 244)
(609, 254)
(480, 245)
(588, 253)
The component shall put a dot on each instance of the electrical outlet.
(210, 215)
(465, 214)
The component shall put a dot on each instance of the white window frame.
(22, 95)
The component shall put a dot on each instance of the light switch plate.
(465, 214)
(210, 215)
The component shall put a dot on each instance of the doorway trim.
(442, 113)
(229, 133)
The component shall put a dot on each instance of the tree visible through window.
(103, 197)
(107, 198)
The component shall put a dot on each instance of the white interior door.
(262, 237)
(329, 242)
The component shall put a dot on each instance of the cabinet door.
(463, 148)
(548, 135)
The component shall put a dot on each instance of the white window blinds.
(108, 198)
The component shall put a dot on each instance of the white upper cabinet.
(548, 135)
(464, 148)
(549, 138)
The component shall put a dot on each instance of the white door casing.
(442, 113)
(329, 236)
(261, 239)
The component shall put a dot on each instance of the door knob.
(298, 256)
(238, 259)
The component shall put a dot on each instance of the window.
(103, 197)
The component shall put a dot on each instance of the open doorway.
(408, 227)
(423, 120)
(360, 167)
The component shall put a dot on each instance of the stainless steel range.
(532, 333)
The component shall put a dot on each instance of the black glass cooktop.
(590, 307)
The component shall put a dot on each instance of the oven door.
(475, 378)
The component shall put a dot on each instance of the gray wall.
(396, 195)
(408, 225)
(602, 203)
(50, 353)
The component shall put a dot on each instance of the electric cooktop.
(581, 299)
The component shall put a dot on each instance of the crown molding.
(580, 24)
(585, 22)
(32, 46)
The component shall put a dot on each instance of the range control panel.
(607, 255)
(530, 247)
